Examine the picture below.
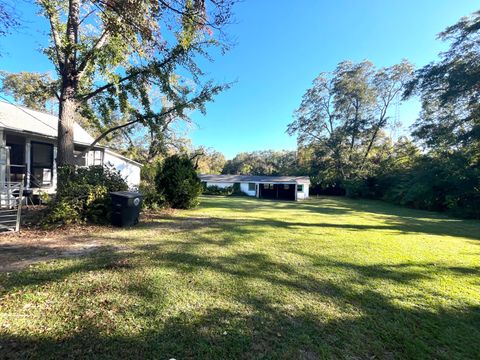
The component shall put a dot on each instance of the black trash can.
(126, 207)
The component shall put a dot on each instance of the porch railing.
(11, 195)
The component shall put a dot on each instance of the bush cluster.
(83, 195)
(233, 190)
(435, 184)
(216, 190)
(176, 180)
(152, 199)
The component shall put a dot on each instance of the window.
(80, 160)
(251, 186)
(299, 188)
(268, 186)
(286, 186)
(41, 164)
(98, 157)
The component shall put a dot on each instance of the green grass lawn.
(245, 278)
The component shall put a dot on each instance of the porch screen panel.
(41, 164)
(17, 161)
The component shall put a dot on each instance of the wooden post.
(19, 205)
(8, 177)
(28, 161)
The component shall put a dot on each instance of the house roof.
(254, 178)
(22, 119)
(107, 150)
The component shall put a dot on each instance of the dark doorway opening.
(41, 164)
(277, 191)
(18, 167)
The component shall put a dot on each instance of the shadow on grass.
(257, 225)
(367, 323)
(322, 308)
(394, 217)
(101, 259)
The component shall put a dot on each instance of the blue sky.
(281, 46)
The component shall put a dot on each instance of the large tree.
(450, 91)
(34, 90)
(122, 63)
(341, 119)
(266, 162)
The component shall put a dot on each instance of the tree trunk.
(67, 109)
(68, 103)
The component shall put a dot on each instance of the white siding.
(128, 169)
(244, 188)
(302, 195)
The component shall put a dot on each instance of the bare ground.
(30, 246)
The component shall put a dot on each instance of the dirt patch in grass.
(33, 245)
(30, 246)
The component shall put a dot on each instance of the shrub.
(356, 188)
(216, 190)
(178, 182)
(236, 191)
(83, 195)
(151, 198)
(233, 190)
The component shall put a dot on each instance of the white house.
(265, 187)
(28, 146)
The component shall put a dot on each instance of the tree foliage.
(8, 17)
(208, 161)
(124, 63)
(342, 118)
(449, 91)
(34, 90)
(268, 162)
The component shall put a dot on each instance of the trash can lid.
(127, 194)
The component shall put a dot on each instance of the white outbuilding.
(264, 187)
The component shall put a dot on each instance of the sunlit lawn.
(244, 278)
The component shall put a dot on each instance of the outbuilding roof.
(22, 119)
(255, 178)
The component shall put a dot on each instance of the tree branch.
(138, 119)
(55, 34)
(104, 135)
(175, 52)
(90, 54)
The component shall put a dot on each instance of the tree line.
(345, 124)
(121, 80)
